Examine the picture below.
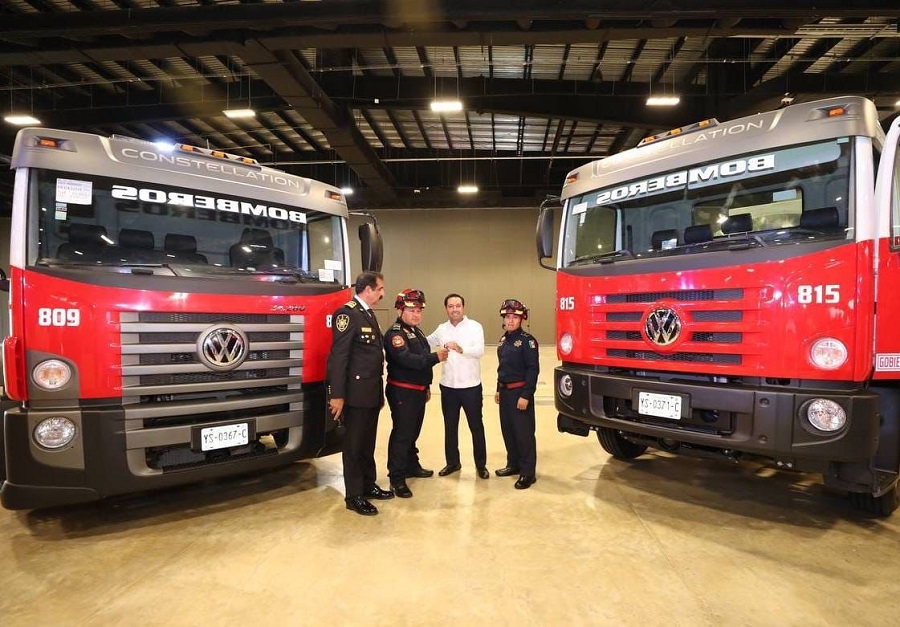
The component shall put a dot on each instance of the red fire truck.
(726, 290)
(169, 314)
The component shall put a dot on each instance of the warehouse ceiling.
(342, 88)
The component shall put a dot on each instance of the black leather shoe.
(483, 473)
(378, 494)
(402, 490)
(507, 471)
(421, 473)
(449, 469)
(523, 482)
(361, 506)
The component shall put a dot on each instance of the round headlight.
(566, 343)
(828, 353)
(565, 386)
(826, 415)
(54, 432)
(52, 374)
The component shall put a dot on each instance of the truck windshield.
(788, 196)
(78, 219)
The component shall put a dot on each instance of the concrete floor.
(662, 540)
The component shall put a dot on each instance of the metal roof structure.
(342, 88)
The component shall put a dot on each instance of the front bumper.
(759, 420)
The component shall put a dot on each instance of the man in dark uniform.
(355, 366)
(409, 363)
(517, 374)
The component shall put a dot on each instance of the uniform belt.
(409, 386)
(513, 385)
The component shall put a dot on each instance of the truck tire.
(882, 506)
(617, 446)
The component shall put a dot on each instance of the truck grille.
(167, 390)
(722, 327)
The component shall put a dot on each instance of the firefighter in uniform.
(517, 374)
(355, 397)
(409, 367)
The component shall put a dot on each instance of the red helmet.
(513, 306)
(410, 298)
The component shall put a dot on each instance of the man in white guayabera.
(461, 383)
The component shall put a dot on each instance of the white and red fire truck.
(730, 289)
(169, 314)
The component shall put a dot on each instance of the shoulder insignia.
(517, 343)
(351, 304)
(532, 344)
(342, 322)
(395, 326)
(397, 341)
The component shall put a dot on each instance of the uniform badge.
(411, 336)
(366, 329)
(397, 341)
(342, 322)
(531, 344)
(517, 343)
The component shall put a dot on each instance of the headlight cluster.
(825, 415)
(828, 353)
(52, 374)
(55, 432)
(566, 343)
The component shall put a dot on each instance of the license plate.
(660, 405)
(225, 436)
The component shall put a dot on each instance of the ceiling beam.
(25, 27)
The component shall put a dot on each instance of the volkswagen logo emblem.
(662, 326)
(222, 347)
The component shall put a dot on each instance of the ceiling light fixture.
(445, 106)
(21, 119)
(663, 101)
(467, 189)
(239, 113)
(347, 191)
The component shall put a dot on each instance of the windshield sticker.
(326, 275)
(331, 264)
(693, 178)
(157, 198)
(62, 211)
(72, 191)
(579, 208)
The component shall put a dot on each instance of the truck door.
(887, 308)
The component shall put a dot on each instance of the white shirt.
(460, 370)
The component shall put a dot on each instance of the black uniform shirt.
(518, 361)
(409, 357)
(356, 361)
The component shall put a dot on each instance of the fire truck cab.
(729, 289)
(170, 315)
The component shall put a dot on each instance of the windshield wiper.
(609, 257)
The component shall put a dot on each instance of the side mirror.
(371, 247)
(544, 236)
(4, 281)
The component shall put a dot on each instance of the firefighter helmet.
(513, 306)
(410, 298)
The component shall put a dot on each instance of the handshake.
(444, 350)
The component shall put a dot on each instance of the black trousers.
(517, 427)
(359, 449)
(407, 413)
(471, 402)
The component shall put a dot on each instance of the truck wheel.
(883, 505)
(617, 446)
